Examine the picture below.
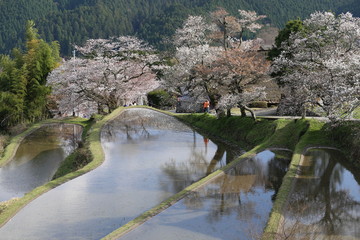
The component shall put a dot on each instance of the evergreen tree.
(292, 26)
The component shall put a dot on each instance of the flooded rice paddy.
(148, 157)
(325, 203)
(37, 159)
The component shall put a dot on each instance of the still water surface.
(38, 157)
(148, 157)
(234, 206)
(325, 203)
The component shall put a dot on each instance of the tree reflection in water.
(326, 199)
(137, 125)
(227, 207)
(240, 199)
(234, 204)
(37, 159)
(198, 166)
(134, 125)
(264, 171)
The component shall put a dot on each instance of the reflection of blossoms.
(324, 202)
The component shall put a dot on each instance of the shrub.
(161, 99)
(347, 137)
(96, 117)
(4, 141)
(76, 160)
(258, 104)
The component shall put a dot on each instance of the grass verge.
(243, 131)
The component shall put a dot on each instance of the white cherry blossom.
(320, 67)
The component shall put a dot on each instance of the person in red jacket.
(206, 106)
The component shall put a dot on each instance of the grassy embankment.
(92, 143)
(82, 155)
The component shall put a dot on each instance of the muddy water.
(325, 203)
(37, 159)
(148, 157)
(233, 206)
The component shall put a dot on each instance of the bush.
(258, 104)
(161, 99)
(76, 160)
(347, 137)
(4, 141)
(96, 117)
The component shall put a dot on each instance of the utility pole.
(74, 69)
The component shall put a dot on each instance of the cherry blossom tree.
(112, 71)
(230, 30)
(192, 49)
(320, 66)
(227, 27)
(240, 65)
(241, 73)
(215, 63)
(236, 77)
(194, 32)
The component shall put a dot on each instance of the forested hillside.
(13, 17)
(74, 21)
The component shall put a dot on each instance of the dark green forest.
(74, 21)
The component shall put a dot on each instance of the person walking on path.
(206, 106)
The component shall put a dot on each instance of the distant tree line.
(73, 22)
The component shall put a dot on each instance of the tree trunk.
(99, 109)
(228, 112)
(252, 112)
(243, 113)
(303, 112)
(219, 112)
